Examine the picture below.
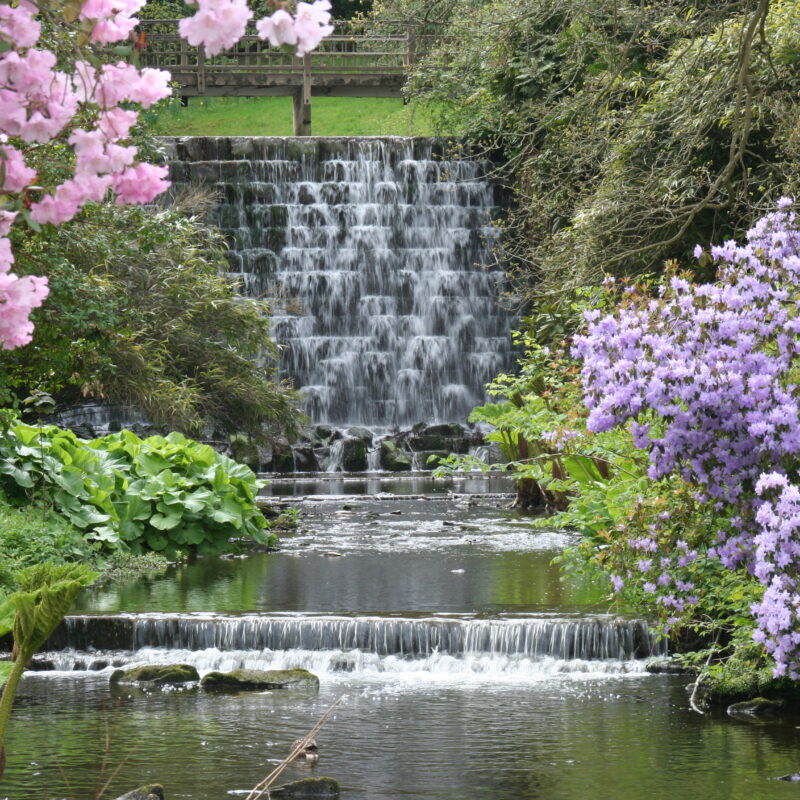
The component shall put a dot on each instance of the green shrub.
(31, 535)
(168, 494)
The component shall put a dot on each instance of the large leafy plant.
(168, 494)
(45, 594)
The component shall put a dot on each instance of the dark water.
(485, 723)
(362, 557)
(558, 738)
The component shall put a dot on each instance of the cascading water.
(579, 638)
(371, 250)
(500, 649)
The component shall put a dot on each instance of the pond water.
(465, 666)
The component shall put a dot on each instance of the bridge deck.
(351, 63)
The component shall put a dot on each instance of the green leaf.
(71, 480)
(197, 500)
(5, 666)
(582, 469)
(156, 541)
(224, 517)
(7, 612)
(105, 533)
(20, 476)
(151, 464)
(165, 523)
(135, 508)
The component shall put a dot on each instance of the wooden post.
(201, 70)
(411, 46)
(301, 102)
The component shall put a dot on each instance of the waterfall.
(582, 638)
(370, 250)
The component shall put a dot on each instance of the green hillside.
(272, 116)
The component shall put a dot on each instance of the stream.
(467, 663)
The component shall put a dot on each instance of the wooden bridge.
(353, 62)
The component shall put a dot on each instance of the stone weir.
(373, 252)
(588, 638)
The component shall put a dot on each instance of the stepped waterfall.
(372, 251)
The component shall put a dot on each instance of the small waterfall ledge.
(584, 638)
(371, 251)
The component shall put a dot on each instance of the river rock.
(245, 452)
(254, 679)
(354, 455)
(666, 666)
(360, 433)
(305, 460)
(156, 675)
(758, 708)
(83, 431)
(282, 457)
(323, 434)
(444, 429)
(393, 458)
(308, 787)
(153, 791)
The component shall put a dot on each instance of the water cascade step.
(372, 251)
(586, 638)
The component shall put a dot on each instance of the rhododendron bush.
(707, 377)
(87, 104)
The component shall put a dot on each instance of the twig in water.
(263, 788)
(692, 702)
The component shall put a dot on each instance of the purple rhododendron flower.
(713, 363)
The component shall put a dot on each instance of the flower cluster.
(219, 24)
(776, 566)
(40, 102)
(705, 374)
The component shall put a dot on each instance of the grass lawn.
(272, 116)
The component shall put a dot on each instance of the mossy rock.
(308, 787)
(156, 675)
(759, 708)
(257, 679)
(282, 457)
(738, 684)
(666, 666)
(444, 429)
(364, 434)
(354, 455)
(323, 434)
(393, 458)
(245, 452)
(153, 791)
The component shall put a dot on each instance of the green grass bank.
(272, 116)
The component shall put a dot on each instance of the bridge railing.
(353, 49)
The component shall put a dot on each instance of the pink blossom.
(114, 21)
(18, 297)
(6, 220)
(279, 29)
(311, 25)
(18, 27)
(116, 123)
(68, 199)
(218, 24)
(140, 184)
(6, 256)
(152, 86)
(39, 102)
(14, 170)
